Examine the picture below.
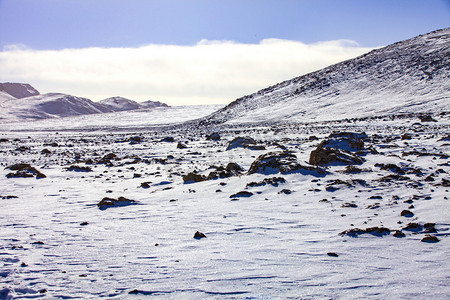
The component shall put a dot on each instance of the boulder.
(193, 177)
(110, 202)
(241, 142)
(215, 136)
(282, 162)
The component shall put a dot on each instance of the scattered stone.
(110, 202)
(407, 213)
(427, 118)
(390, 167)
(429, 228)
(377, 231)
(84, 223)
(38, 243)
(199, 235)
(77, 168)
(242, 194)
(146, 185)
(8, 197)
(24, 171)
(393, 177)
(430, 239)
(332, 254)
(215, 136)
(349, 205)
(274, 181)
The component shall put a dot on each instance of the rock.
(242, 194)
(215, 136)
(427, 118)
(146, 184)
(241, 142)
(413, 227)
(339, 148)
(390, 167)
(285, 191)
(274, 181)
(77, 168)
(110, 202)
(430, 239)
(46, 151)
(332, 254)
(193, 177)
(393, 177)
(84, 223)
(181, 146)
(232, 169)
(429, 228)
(24, 171)
(135, 140)
(349, 205)
(326, 156)
(282, 162)
(407, 213)
(399, 234)
(377, 231)
(199, 235)
(168, 139)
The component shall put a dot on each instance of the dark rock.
(181, 146)
(413, 227)
(377, 231)
(332, 254)
(430, 239)
(393, 177)
(84, 223)
(168, 139)
(24, 171)
(46, 151)
(193, 177)
(146, 184)
(406, 136)
(234, 167)
(110, 202)
(427, 118)
(241, 142)
(326, 156)
(77, 168)
(135, 140)
(390, 167)
(215, 136)
(285, 191)
(282, 162)
(199, 235)
(349, 205)
(274, 181)
(38, 243)
(407, 213)
(242, 194)
(399, 234)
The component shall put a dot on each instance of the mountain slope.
(18, 90)
(408, 76)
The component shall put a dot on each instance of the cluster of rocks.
(24, 171)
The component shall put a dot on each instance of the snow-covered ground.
(269, 242)
(126, 120)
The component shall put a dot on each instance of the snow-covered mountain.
(18, 90)
(20, 101)
(48, 106)
(123, 104)
(408, 76)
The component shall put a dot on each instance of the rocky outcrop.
(24, 171)
(18, 90)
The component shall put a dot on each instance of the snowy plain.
(280, 242)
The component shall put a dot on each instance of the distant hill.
(20, 101)
(408, 76)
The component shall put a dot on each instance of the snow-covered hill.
(18, 90)
(408, 76)
(123, 104)
(48, 106)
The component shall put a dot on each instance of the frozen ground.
(280, 241)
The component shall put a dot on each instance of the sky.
(194, 51)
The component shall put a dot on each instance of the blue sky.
(189, 26)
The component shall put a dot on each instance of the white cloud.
(205, 73)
